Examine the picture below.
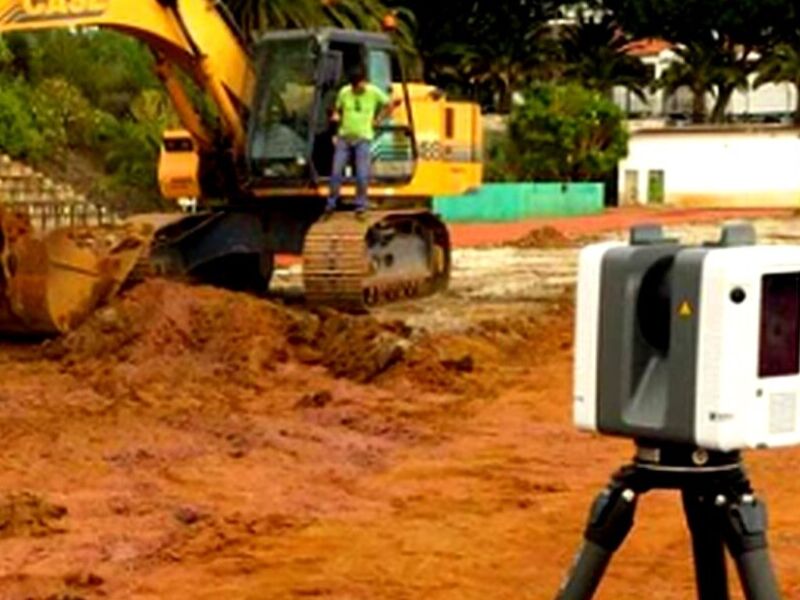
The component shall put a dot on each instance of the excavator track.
(354, 265)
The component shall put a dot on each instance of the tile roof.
(648, 47)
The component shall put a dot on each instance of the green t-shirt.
(358, 111)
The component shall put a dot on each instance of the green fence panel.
(503, 202)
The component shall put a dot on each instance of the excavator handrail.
(193, 34)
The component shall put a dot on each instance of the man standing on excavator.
(360, 106)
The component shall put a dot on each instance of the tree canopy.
(718, 43)
(485, 49)
(565, 133)
(594, 54)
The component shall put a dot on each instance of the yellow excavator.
(260, 173)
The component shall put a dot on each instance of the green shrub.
(108, 68)
(92, 93)
(564, 133)
(62, 113)
(19, 132)
(496, 162)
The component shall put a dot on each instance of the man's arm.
(388, 109)
(336, 115)
(388, 106)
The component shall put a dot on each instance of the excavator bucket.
(51, 282)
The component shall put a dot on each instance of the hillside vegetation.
(87, 109)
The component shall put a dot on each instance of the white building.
(698, 166)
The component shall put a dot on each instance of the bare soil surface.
(191, 443)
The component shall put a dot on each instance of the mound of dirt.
(355, 348)
(163, 333)
(74, 586)
(545, 238)
(466, 362)
(219, 347)
(161, 318)
(27, 515)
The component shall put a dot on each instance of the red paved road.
(466, 235)
(483, 234)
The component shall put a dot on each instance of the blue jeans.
(341, 156)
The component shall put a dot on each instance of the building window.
(655, 187)
(630, 192)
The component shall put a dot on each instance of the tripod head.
(682, 458)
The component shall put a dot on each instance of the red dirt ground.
(190, 443)
(489, 234)
(467, 235)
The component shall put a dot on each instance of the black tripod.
(720, 508)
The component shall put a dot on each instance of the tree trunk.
(724, 95)
(698, 106)
(503, 102)
(506, 93)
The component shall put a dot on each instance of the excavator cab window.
(279, 141)
(380, 69)
(291, 135)
(346, 56)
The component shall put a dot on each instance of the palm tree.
(782, 65)
(693, 70)
(707, 67)
(490, 49)
(499, 66)
(730, 75)
(595, 54)
(257, 16)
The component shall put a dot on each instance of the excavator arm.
(195, 35)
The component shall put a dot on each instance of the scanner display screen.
(779, 352)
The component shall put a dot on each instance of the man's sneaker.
(361, 213)
(329, 210)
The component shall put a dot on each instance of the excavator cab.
(299, 75)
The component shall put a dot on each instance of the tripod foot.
(610, 521)
(746, 538)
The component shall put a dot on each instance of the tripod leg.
(746, 537)
(610, 521)
(707, 545)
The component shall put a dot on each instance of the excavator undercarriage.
(51, 280)
(355, 265)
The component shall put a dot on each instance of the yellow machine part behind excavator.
(51, 282)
